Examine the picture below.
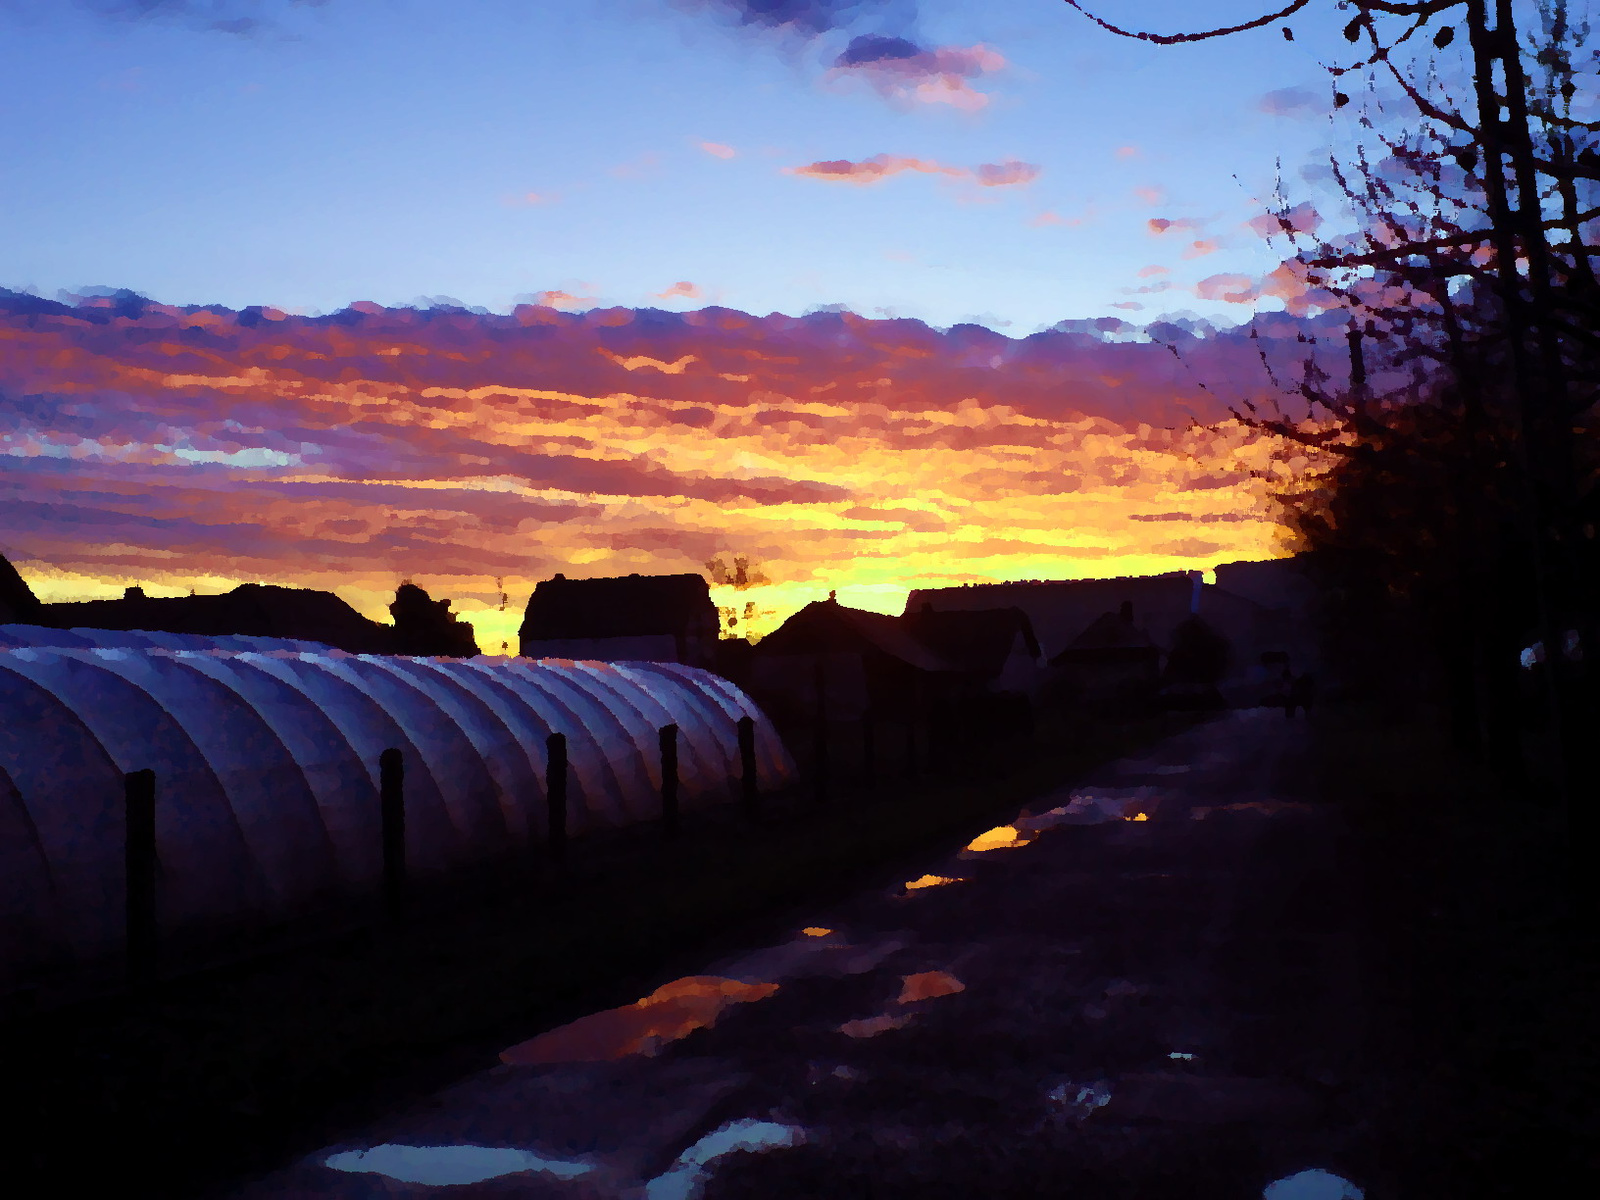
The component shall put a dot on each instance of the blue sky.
(494, 150)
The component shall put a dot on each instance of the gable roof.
(827, 625)
(1108, 632)
(620, 606)
(977, 640)
(17, 601)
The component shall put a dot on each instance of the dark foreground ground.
(1258, 948)
(215, 1078)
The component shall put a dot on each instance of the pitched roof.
(620, 606)
(17, 601)
(1108, 631)
(978, 640)
(826, 625)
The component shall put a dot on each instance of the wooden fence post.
(139, 796)
(747, 766)
(669, 780)
(556, 794)
(392, 795)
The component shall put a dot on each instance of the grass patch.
(221, 1075)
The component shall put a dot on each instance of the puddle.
(872, 1026)
(687, 1177)
(928, 881)
(1080, 1099)
(928, 985)
(446, 1166)
(1182, 1054)
(1001, 837)
(672, 1011)
(1315, 1184)
(1265, 807)
(815, 931)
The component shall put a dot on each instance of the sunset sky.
(1005, 166)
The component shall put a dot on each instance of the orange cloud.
(560, 299)
(682, 288)
(1151, 195)
(718, 150)
(1302, 218)
(1152, 269)
(1232, 288)
(1201, 248)
(1009, 173)
(348, 451)
(1160, 225)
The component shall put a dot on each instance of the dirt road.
(1151, 984)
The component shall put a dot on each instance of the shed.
(648, 618)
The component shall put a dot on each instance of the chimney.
(1194, 597)
(833, 597)
(134, 593)
(1126, 612)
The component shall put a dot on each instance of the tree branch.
(1173, 39)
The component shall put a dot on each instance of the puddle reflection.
(447, 1166)
(999, 838)
(927, 985)
(872, 1026)
(928, 881)
(1315, 1184)
(672, 1011)
(816, 931)
(686, 1178)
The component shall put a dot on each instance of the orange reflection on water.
(672, 1011)
(928, 881)
(927, 985)
(999, 838)
(816, 931)
(872, 1026)
(1136, 817)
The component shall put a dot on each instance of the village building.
(251, 609)
(845, 663)
(18, 604)
(643, 618)
(1112, 663)
(993, 649)
(1059, 610)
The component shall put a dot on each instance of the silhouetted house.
(426, 627)
(1112, 662)
(646, 618)
(18, 604)
(865, 661)
(252, 609)
(1285, 592)
(993, 649)
(1198, 660)
(1059, 610)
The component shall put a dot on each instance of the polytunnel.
(268, 785)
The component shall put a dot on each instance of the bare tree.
(1464, 470)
